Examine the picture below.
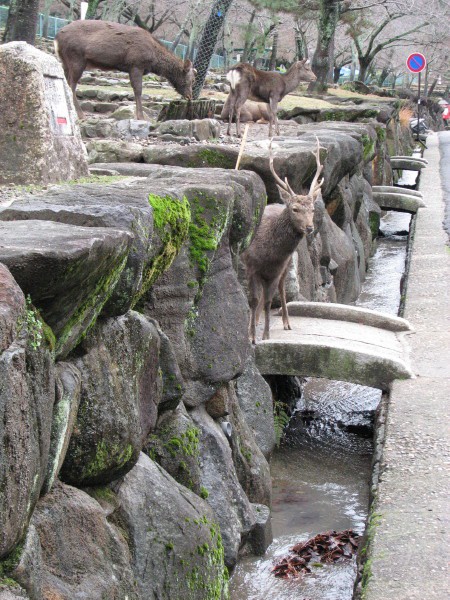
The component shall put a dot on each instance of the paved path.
(410, 549)
(337, 341)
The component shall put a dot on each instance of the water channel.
(321, 470)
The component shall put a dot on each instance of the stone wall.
(135, 428)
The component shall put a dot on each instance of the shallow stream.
(321, 471)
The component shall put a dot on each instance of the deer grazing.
(111, 46)
(268, 257)
(263, 86)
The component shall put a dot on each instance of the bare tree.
(370, 44)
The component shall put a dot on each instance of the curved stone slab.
(392, 189)
(350, 314)
(340, 350)
(407, 163)
(405, 157)
(399, 202)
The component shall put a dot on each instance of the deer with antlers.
(268, 257)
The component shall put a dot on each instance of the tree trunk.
(336, 74)
(382, 78)
(92, 8)
(273, 54)
(363, 68)
(354, 64)
(432, 86)
(208, 42)
(249, 38)
(301, 46)
(22, 21)
(326, 27)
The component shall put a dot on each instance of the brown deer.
(114, 47)
(256, 112)
(263, 86)
(268, 257)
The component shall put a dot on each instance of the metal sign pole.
(418, 109)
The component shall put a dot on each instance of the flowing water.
(321, 471)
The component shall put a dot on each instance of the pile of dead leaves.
(326, 547)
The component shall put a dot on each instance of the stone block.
(39, 139)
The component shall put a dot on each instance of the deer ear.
(285, 196)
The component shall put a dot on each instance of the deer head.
(300, 207)
(184, 86)
(303, 68)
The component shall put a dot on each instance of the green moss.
(215, 158)
(106, 456)
(368, 146)
(374, 223)
(7, 581)
(171, 219)
(204, 493)
(246, 453)
(92, 304)
(381, 133)
(103, 493)
(373, 523)
(186, 443)
(213, 552)
(9, 563)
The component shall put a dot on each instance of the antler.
(316, 184)
(283, 184)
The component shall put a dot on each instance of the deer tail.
(234, 78)
(56, 46)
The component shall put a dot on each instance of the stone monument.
(40, 141)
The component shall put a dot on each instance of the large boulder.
(27, 393)
(120, 205)
(39, 138)
(120, 392)
(177, 546)
(256, 402)
(199, 302)
(82, 554)
(67, 400)
(69, 272)
(175, 446)
(251, 466)
(232, 509)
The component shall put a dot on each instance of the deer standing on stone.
(268, 257)
(114, 47)
(263, 86)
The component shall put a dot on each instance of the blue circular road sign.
(416, 62)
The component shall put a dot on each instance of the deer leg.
(282, 292)
(136, 83)
(268, 291)
(232, 98)
(254, 292)
(238, 104)
(259, 308)
(73, 76)
(273, 105)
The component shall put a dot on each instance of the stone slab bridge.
(337, 341)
